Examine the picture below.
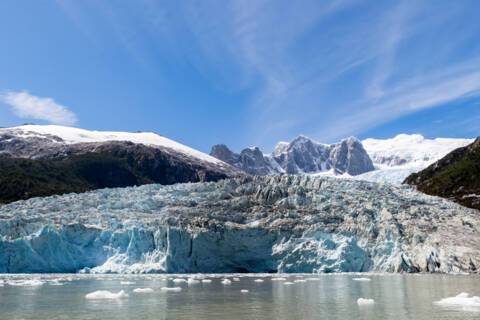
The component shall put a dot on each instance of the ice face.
(260, 224)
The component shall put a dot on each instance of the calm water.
(324, 297)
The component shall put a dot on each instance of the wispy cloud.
(27, 106)
(326, 69)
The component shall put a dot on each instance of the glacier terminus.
(267, 224)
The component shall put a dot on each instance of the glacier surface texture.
(251, 224)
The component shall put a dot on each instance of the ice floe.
(179, 280)
(463, 301)
(26, 283)
(171, 289)
(244, 291)
(365, 302)
(104, 294)
(143, 290)
(226, 281)
(361, 279)
(192, 281)
(279, 279)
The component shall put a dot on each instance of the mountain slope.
(302, 155)
(55, 160)
(456, 176)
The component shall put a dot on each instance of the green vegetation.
(22, 178)
(456, 176)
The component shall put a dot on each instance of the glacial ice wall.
(253, 224)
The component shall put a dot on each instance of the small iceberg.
(226, 281)
(258, 280)
(104, 294)
(179, 280)
(244, 291)
(462, 300)
(206, 281)
(26, 283)
(171, 289)
(362, 279)
(365, 302)
(287, 283)
(236, 279)
(300, 280)
(127, 282)
(192, 281)
(279, 279)
(143, 290)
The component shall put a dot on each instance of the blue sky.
(243, 72)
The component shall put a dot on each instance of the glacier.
(248, 224)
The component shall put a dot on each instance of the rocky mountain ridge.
(302, 155)
(35, 161)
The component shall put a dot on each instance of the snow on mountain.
(70, 135)
(300, 156)
(410, 150)
(251, 224)
(396, 158)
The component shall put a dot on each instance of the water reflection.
(323, 297)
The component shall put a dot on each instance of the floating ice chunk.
(171, 289)
(279, 279)
(25, 283)
(192, 281)
(365, 302)
(462, 300)
(236, 279)
(258, 280)
(143, 290)
(55, 282)
(362, 279)
(226, 281)
(104, 294)
(244, 291)
(287, 283)
(179, 280)
(300, 280)
(2, 283)
(206, 281)
(127, 282)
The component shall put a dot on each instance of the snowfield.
(396, 158)
(70, 135)
(261, 224)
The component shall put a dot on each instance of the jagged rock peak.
(302, 155)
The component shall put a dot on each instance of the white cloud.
(25, 105)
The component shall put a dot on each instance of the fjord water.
(307, 297)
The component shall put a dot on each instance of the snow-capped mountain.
(398, 157)
(41, 136)
(45, 160)
(249, 160)
(302, 155)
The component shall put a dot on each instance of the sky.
(243, 72)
